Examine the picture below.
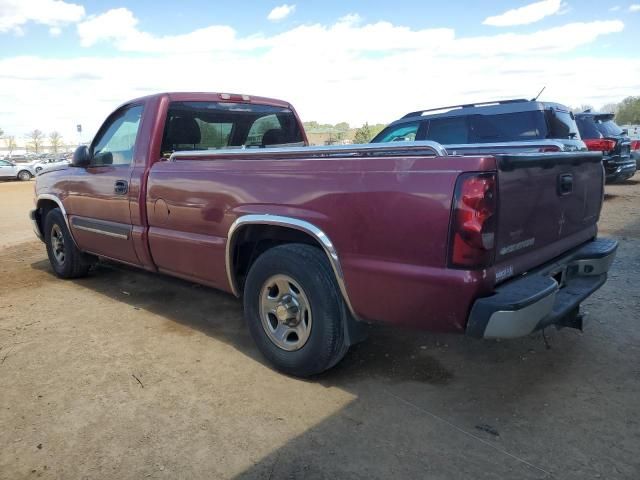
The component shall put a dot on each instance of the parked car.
(507, 126)
(13, 171)
(601, 134)
(319, 241)
(53, 162)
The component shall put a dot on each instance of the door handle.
(565, 184)
(121, 187)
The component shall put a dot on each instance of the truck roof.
(212, 97)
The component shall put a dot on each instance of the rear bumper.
(620, 168)
(549, 295)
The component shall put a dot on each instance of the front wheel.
(24, 175)
(295, 312)
(65, 258)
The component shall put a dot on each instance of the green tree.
(363, 134)
(10, 143)
(342, 127)
(55, 140)
(312, 125)
(628, 111)
(609, 108)
(35, 137)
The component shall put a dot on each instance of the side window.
(118, 138)
(448, 131)
(4, 164)
(402, 133)
(507, 127)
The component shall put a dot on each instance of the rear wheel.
(294, 310)
(24, 175)
(65, 258)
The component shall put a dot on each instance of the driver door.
(99, 196)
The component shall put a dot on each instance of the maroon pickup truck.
(222, 190)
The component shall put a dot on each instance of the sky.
(64, 63)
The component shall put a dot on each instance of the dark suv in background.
(509, 125)
(600, 133)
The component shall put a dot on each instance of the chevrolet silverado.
(222, 189)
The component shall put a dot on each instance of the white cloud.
(281, 12)
(349, 70)
(14, 14)
(615, 8)
(531, 13)
(120, 27)
(55, 31)
(634, 7)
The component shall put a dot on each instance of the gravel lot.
(128, 375)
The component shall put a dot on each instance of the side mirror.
(81, 157)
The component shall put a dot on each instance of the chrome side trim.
(101, 232)
(102, 227)
(296, 224)
(360, 150)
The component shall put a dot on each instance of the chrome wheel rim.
(57, 244)
(285, 312)
(24, 176)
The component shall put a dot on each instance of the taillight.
(635, 145)
(473, 222)
(600, 145)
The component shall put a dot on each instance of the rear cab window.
(216, 125)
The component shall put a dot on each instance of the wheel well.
(250, 241)
(43, 208)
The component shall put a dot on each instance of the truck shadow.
(473, 382)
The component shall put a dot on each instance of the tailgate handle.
(565, 184)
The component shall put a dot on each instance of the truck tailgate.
(548, 204)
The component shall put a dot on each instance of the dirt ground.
(127, 375)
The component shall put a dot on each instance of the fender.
(296, 224)
(57, 201)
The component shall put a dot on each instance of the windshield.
(215, 125)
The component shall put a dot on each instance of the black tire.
(24, 175)
(311, 270)
(74, 263)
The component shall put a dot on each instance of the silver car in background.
(16, 171)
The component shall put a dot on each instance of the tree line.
(36, 141)
(343, 131)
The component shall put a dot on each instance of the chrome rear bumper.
(546, 296)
